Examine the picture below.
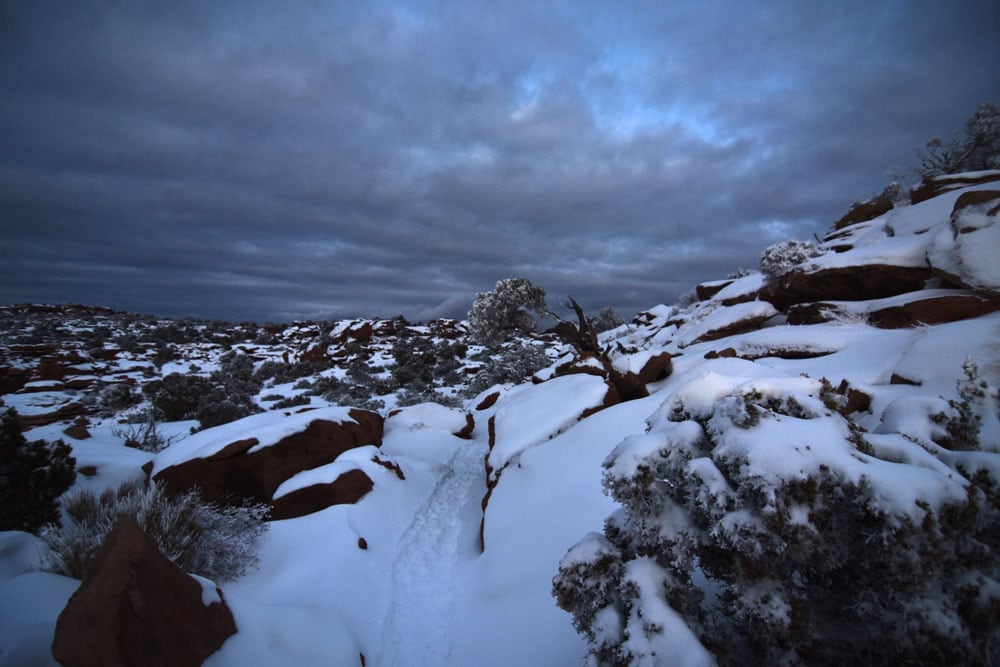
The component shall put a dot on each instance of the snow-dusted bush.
(514, 305)
(213, 541)
(422, 362)
(606, 320)
(117, 397)
(32, 477)
(778, 259)
(977, 149)
(514, 364)
(144, 433)
(225, 396)
(177, 396)
(782, 534)
(283, 372)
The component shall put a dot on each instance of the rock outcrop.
(135, 607)
(243, 469)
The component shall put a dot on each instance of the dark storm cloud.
(275, 161)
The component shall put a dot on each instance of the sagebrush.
(217, 542)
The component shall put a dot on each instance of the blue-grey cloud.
(281, 160)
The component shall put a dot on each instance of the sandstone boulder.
(864, 211)
(13, 379)
(347, 489)
(965, 251)
(908, 310)
(848, 283)
(243, 469)
(135, 607)
(932, 186)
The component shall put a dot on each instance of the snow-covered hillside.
(448, 556)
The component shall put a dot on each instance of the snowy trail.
(422, 612)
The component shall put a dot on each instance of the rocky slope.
(418, 533)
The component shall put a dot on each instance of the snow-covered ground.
(399, 578)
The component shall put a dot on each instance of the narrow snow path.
(421, 616)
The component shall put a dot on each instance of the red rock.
(391, 466)
(488, 401)
(135, 607)
(315, 355)
(937, 310)
(77, 431)
(936, 185)
(63, 413)
(13, 379)
(706, 291)
(346, 489)
(864, 211)
(851, 283)
(974, 198)
(234, 473)
(742, 326)
(470, 426)
(726, 353)
(448, 329)
(50, 368)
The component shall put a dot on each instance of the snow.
(722, 318)
(323, 474)
(532, 414)
(400, 577)
(32, 602)
(968, 248)
(268, 428)
(209, 591)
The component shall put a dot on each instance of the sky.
(273, 161)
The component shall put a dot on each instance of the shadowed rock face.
(864, 211)
(235, 473)
(348, 488)
(921, 310)
(933, 186)
(852, 283)
(135, 607)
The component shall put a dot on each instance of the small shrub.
(178, 396)
(515, 364)
(778, 259)
(32, 477)
(514, 305)
(977, 149)
(225, 396)
(201, 538)
(291, 402)
(817, 562)
(410, 397)
(117, 397)
(143, 434)
(606, 320)
(221, 407)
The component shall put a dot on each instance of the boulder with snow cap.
(848, 283)
(135, 607)
(965, 251)
(229, 468)
(932, 186)
(864, 211)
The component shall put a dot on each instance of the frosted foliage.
(976, 150)
(778, 259)
(808, 542)
(217, 542)
(508, 308)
